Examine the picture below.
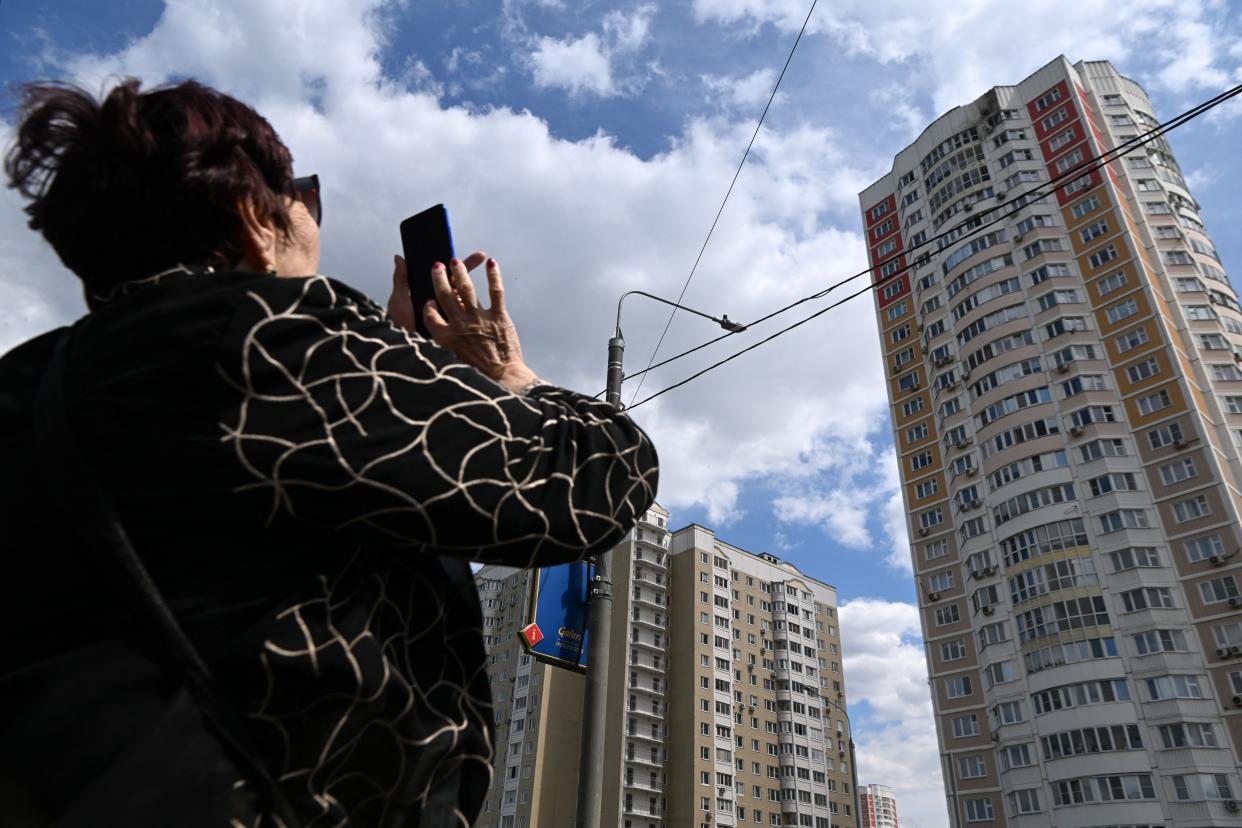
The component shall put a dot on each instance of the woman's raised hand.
(484, 338)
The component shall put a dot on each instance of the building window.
(979, 810)
(1196, 786)
(957, 687)
(1219, 589)
(1173, 687)
(1191, 509)
(965, 726)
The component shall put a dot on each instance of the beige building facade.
(1066, 401)
(728, 703)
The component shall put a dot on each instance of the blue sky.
(587, 145)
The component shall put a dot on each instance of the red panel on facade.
(1065, 197)
(1085, 152)
(879, 253)
(1049, 105)
(899, 287)
(1065, 142)
(886, 207)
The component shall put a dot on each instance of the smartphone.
(425, 240)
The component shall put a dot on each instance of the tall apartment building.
(1067, 405)
(878, 806)
(727, 705)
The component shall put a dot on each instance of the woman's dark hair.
(131, 185)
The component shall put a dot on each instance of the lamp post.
(599, 622)
(853, 762)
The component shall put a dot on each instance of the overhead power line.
(1030, 197)
(725, 201)
(1004, 212)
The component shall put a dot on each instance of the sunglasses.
(306, 190)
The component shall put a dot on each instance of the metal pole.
(595, 701)
(853, 762)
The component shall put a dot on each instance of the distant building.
(728, 702)
(877, 806)
(1066, 397)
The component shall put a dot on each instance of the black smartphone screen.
(425, 239)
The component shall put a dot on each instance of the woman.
(302, 474)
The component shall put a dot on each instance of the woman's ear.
(258, 238)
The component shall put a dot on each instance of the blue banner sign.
(555, 631)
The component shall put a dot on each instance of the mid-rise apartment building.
(1066, 401)
(878, 806)
(727, 704)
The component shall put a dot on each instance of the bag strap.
(94, 519)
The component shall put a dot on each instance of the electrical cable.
(725, 201)
(1085, 166)
(1017, 204)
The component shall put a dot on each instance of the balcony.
(645, 760)
(647, 712)
(646, 578)
(648, 645)
(634, 810)
(647, 622)
(648, 600)
(649, 540)
(643, 735)
(641, 664)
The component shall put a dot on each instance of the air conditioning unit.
(1063, 368)
(988, 610)
(1216, 560)
(957, 444)
(1179, 444)
(933, 596)
(1018, 236)
(944, 360)
(922, 531)
(1233, 602)
(989, 570)
(1235, 649)
(1000, 194)
(968, 206)
(1231, 805)
(1222, 652)
(972, 471)
(1075, 430)
(995, 737)
(1237, 701)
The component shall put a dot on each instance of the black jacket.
(306, 483)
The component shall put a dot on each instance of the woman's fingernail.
(491, 262)
(454, 262)
(437, 266)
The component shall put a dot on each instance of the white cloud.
(886, 688)
(749, 92)
(629, 32)
(576, 65)
(587, 64)
(957, 54)
(904, 115)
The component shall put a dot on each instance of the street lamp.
(853, 761)
(599, 622)
(616, 345)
